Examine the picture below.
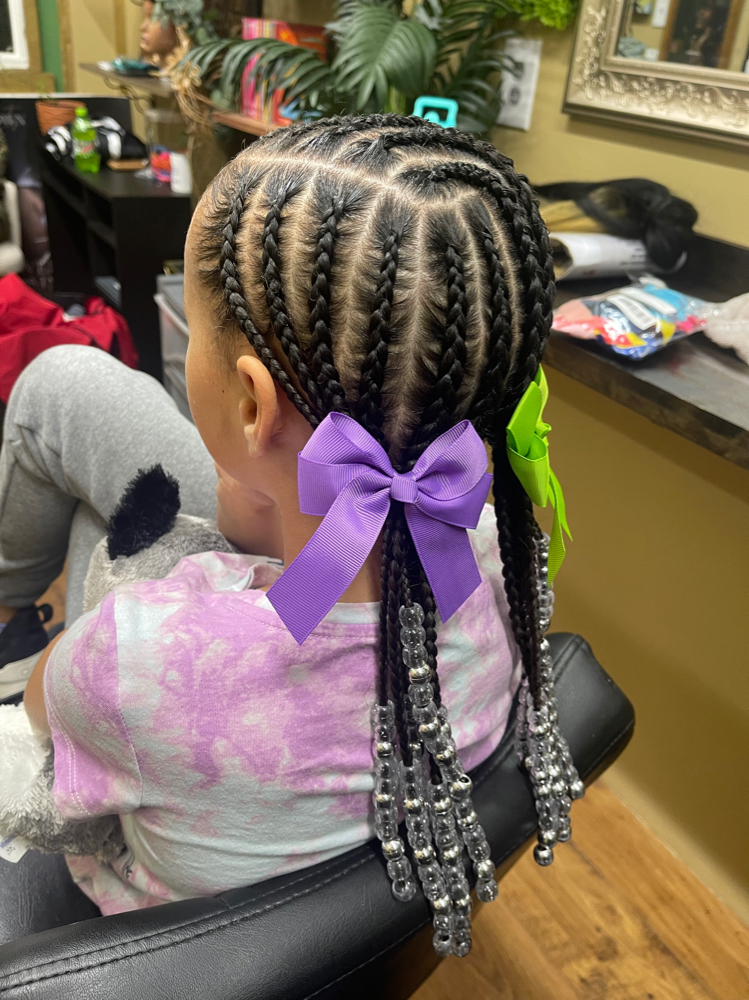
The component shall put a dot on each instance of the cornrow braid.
(240, 310)
(537, 317)
(279, 315)
(487, 398)
(438, 412)
(369, 405)
(321, 342)
(337, 128)
(461, 142)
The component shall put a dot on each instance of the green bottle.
(83, 134)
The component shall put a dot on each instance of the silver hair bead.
(443, 904)
(484, 870)
(428, 730)
(543, 855)
(577, 789)
(393, 849)
(420, 673)
(423, 855)
(469, 821)
(442, 805)
(452, 854)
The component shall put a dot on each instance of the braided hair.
(408, 283)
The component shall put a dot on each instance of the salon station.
(627, 122)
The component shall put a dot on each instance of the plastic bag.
(728, 325)
(636, 320)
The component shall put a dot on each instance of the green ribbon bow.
(528, 451)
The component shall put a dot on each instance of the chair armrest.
(332, 931)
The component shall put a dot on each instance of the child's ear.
(258, 408)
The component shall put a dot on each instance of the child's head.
(392, 270)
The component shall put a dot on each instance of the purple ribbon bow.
(345, 475)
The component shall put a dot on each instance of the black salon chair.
(332, 931)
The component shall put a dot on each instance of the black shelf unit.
(109, 235)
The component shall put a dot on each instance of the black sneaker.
(22, 642)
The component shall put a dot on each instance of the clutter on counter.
(632, 209)
(633, 321)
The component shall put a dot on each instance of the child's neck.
(296, 531)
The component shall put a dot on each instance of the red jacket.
(29, 324)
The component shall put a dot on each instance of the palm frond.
(469, 61)
(277, 63)
(379, 51)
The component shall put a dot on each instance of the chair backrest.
(330, 932)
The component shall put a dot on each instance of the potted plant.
(382, 55)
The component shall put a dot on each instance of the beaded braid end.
(539, 744)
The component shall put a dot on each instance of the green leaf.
(380, 50)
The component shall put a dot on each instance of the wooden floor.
(616, 916)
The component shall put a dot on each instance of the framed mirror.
(675, 65)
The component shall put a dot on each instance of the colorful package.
(256, 101)
(634, 321)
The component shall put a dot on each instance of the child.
(373, 293)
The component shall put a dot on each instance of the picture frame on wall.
(700, 32)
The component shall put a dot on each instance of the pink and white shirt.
(230, 753)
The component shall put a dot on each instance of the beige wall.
(99, 30)
(560, 148)
(96, 33)
(656, 580)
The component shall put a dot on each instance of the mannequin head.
(158, 38)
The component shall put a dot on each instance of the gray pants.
(79, 425)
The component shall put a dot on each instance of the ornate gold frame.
(688, 100)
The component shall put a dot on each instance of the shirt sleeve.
(96, 770)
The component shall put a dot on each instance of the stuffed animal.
(146, 538)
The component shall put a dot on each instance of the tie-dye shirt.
(231, 753)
